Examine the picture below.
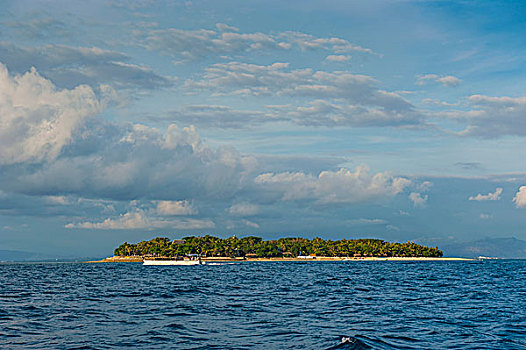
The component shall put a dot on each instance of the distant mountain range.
(506, 248)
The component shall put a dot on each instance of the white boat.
(171, 261)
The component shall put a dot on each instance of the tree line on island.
(255, 247)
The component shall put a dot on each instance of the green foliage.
(211, 246)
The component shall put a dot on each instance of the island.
(251, 248)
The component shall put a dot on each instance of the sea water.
(264, 305)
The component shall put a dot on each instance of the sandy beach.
(114, 259)
(322, 258)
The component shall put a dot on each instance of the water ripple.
(370, 305)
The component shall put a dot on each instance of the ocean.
(265, 305)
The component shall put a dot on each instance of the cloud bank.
(57, 146)
(330, 187)
(337, 98)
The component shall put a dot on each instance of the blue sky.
(126, 120)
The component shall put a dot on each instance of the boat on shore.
(191, 260)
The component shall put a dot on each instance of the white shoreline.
(314, 259)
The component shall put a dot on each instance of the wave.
(351, 343)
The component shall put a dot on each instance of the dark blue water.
(277, 305)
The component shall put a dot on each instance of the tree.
(233, 246)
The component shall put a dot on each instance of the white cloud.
(447, 80)
(336, 98)
(182, 137)
(243, 209)
(226, 28)
(138, 219)
(176, 208)
(364, 221)
(439, 103)
(38, 120)
(243, 223)
(490, 116)
(338, 58)
(424, 186)
(418, 199)
(309, 42)
(250, 223)
(495, 196)
(520, 197)
(194, 44)
(137, 163)
(277, 78)
(324, 113)
(60, 200)
(342, 186)
(135, 220)
(69, 66)
(120, 162)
